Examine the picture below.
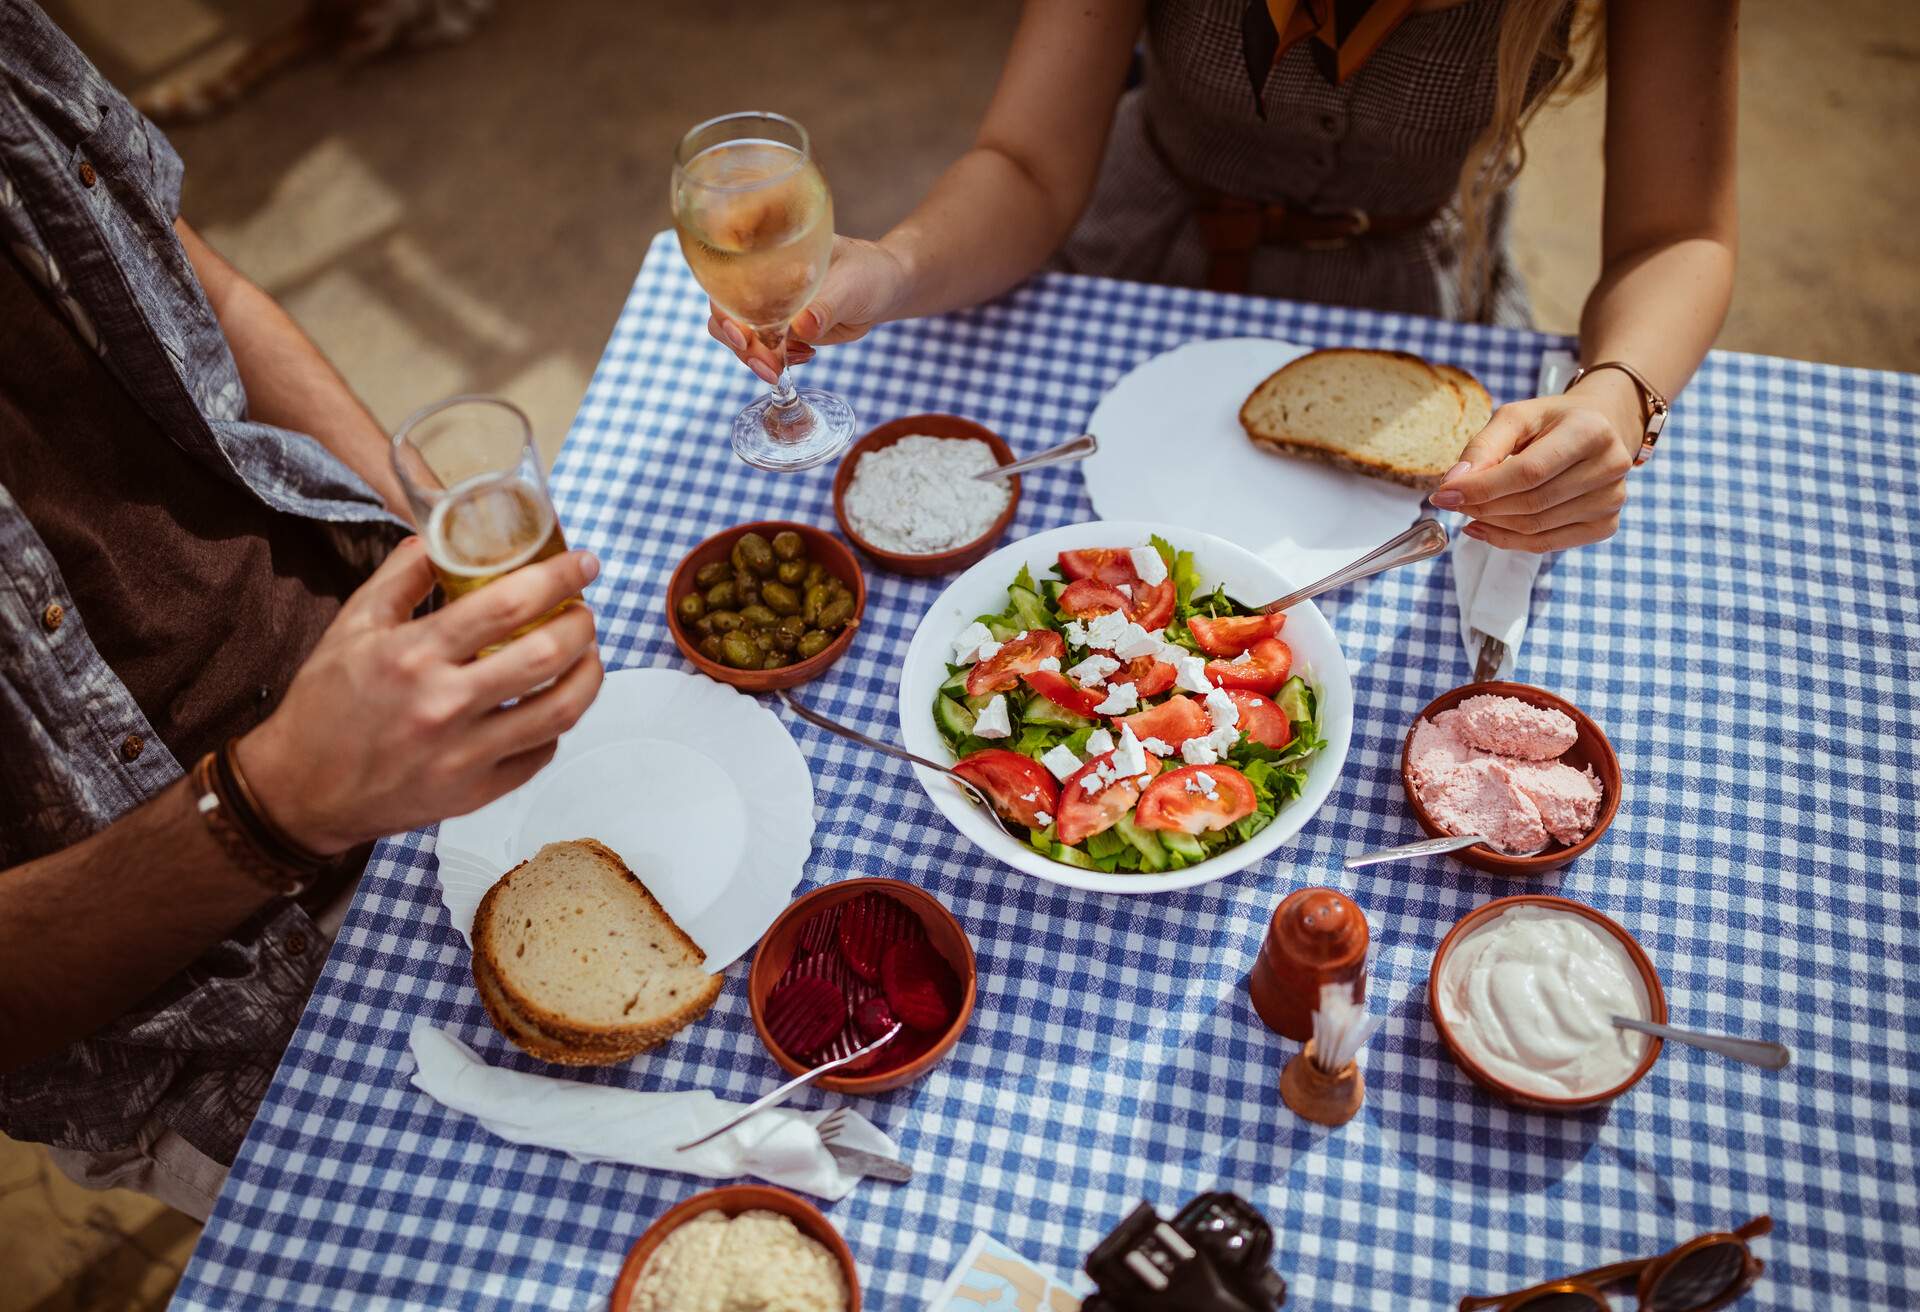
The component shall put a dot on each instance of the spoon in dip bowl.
(1409, 851)
(1074, 448)
(1754, 1052)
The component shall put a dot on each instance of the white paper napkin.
(593, 1123)
(1494, 589)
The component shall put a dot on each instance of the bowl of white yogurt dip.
(906, 495)
(1523, 991)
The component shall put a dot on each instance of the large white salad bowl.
(982, 590)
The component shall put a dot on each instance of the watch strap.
(1653, 405)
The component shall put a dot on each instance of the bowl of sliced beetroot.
(846, 962)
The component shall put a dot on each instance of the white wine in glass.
(756, 226)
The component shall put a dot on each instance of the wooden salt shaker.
(1327, 1099)
(1318, 936)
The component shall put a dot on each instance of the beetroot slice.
(874, 1018)
(803, 1013)
(921, 987)
(817, 935)
(869, 925)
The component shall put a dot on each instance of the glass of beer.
(756, 225)
(472, 475)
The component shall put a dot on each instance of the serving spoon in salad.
(818, 720)
(1425, 538)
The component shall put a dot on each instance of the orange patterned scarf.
(1345, 33)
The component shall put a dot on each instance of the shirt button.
(53, 616)
(297, 944)
(132, 745)
(87, 176)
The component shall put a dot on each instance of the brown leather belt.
(1234, 227)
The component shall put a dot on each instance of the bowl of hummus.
(1523, 992)
(739, 1248)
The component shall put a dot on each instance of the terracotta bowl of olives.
(766, 605)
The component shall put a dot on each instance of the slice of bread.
(1476, 406)
(577, 963)
(1383, 413)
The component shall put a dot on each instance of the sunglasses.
(1698, 1276)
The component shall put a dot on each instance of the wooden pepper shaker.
(1318, 936)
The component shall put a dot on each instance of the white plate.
(699, 789)
(982, 590)
(1176, 419)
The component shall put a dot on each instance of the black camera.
(1212, 1257)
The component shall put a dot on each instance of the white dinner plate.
(982, 590)
(1172, 450)
(699, 788)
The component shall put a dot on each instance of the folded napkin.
(1494, 589)
(593, 1123)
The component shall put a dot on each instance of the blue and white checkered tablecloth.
(1746, 639)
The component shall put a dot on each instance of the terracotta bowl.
(1656, 1005)
(938, 562)
(1590, 749)
(732, 1200)
(822, 546)
(771, 958)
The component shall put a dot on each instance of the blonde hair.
(1530, 31)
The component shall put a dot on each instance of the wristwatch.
(1651, 402)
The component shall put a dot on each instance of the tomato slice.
(1018, 786)
(1167, 802)
(1109, 565)
(1084, 597)
(1173, 721)
(1016, 657)
(1272, 662)
(1152, 605)
(1149, 676)
(1083, 814)
(1232, 634)
(1260, 719)
(1062, 691)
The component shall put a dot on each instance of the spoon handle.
(1754, 1052)
(814, 717)
(1426, 537)
(1425, 847)
(1074, 448)
(787, 1090)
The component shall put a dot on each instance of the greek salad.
(1129, 720)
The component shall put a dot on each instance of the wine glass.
(756, 226)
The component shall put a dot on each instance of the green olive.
(759, 616)
(835, 613)
(703, 626)
(773, 660)
(813, 642)
(762, 639)
(723, 595)
(753, 553)
(792, 572)
(711, 573)
(816, 573)
(816, 599)
(724, 621)
(692, 607)
(784, 642)
(713, 648)
(740, 651)
(780, 599)
(792, 625)
(789, 545)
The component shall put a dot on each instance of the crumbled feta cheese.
(1018, 637)
(1076, 633)
(968, 642)
(992, 720)
(1105, 630)
(1031, 795)
(1149, 565)
(1199, 751)
(1129, 758)
(1224, 739)
(1221, 709)
(1099, 743)
(1042, 819)
(1124, 589)
(1049, 663)
(1093, 783)
(1202, 783)
(1244, 658)
(1157, 747)
(988, 650)
(1093, 671)
(1135, 643)
(1121, 698)
(1061, 761)
(1191, 674)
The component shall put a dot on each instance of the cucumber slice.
(1295, 700)
(957, 682)
(1185, 844)
(979, 704)
(1026, 609)
(1042, 840)
(1104, 844)
(1001, 629)
(1073, 856)
(1053, 588)
(1153, 856)
(1041, 711)
(955, 720)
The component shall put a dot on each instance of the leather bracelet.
(280, 845)
(1653, 405)
(244, 831)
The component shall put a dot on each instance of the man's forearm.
(289, 383)
(89, 931)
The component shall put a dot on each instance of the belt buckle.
(1361, 224)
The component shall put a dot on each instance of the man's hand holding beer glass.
(392, 724)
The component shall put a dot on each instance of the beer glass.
(472, 475)
(755, 220)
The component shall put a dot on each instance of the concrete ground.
(471, 217)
